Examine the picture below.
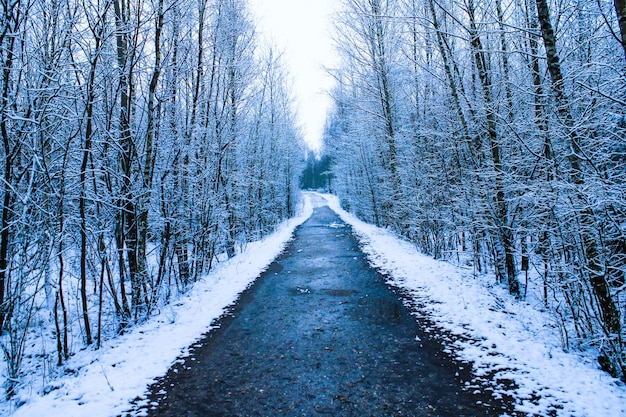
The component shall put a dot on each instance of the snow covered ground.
(102, 383)
(502, 337)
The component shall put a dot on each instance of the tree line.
(493, 133)
(317, 174)
(142, 141)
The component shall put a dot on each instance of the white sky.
(301, 29)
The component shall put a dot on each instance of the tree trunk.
(11, 148)
(504, 53)
(443, 51)
(620, 9)
(504, 241)
(148, 169)
(83, 181)
(136, 262)
(62, 338)
(397, 217)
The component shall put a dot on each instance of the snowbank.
(504, 338)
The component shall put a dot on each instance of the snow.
(104, 382)
(504, 339)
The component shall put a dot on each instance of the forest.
(492, 133)
(145, 141)
(142, 142)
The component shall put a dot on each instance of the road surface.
(319, 334)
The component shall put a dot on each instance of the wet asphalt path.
(319, 334)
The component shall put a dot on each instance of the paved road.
(319, 334)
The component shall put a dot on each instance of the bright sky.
(301, 29)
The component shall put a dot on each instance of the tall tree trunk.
(620, 9)
(394, 214)
(504, 242)
(127, 204)
(62, 336)
(179, 165)
(11, 148)
(473, 147)
(541, 121)
(504, 54)
(83, 178)
(148, 169)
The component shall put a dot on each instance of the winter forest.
(493, 133)
(145, 141)
(141, 140)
